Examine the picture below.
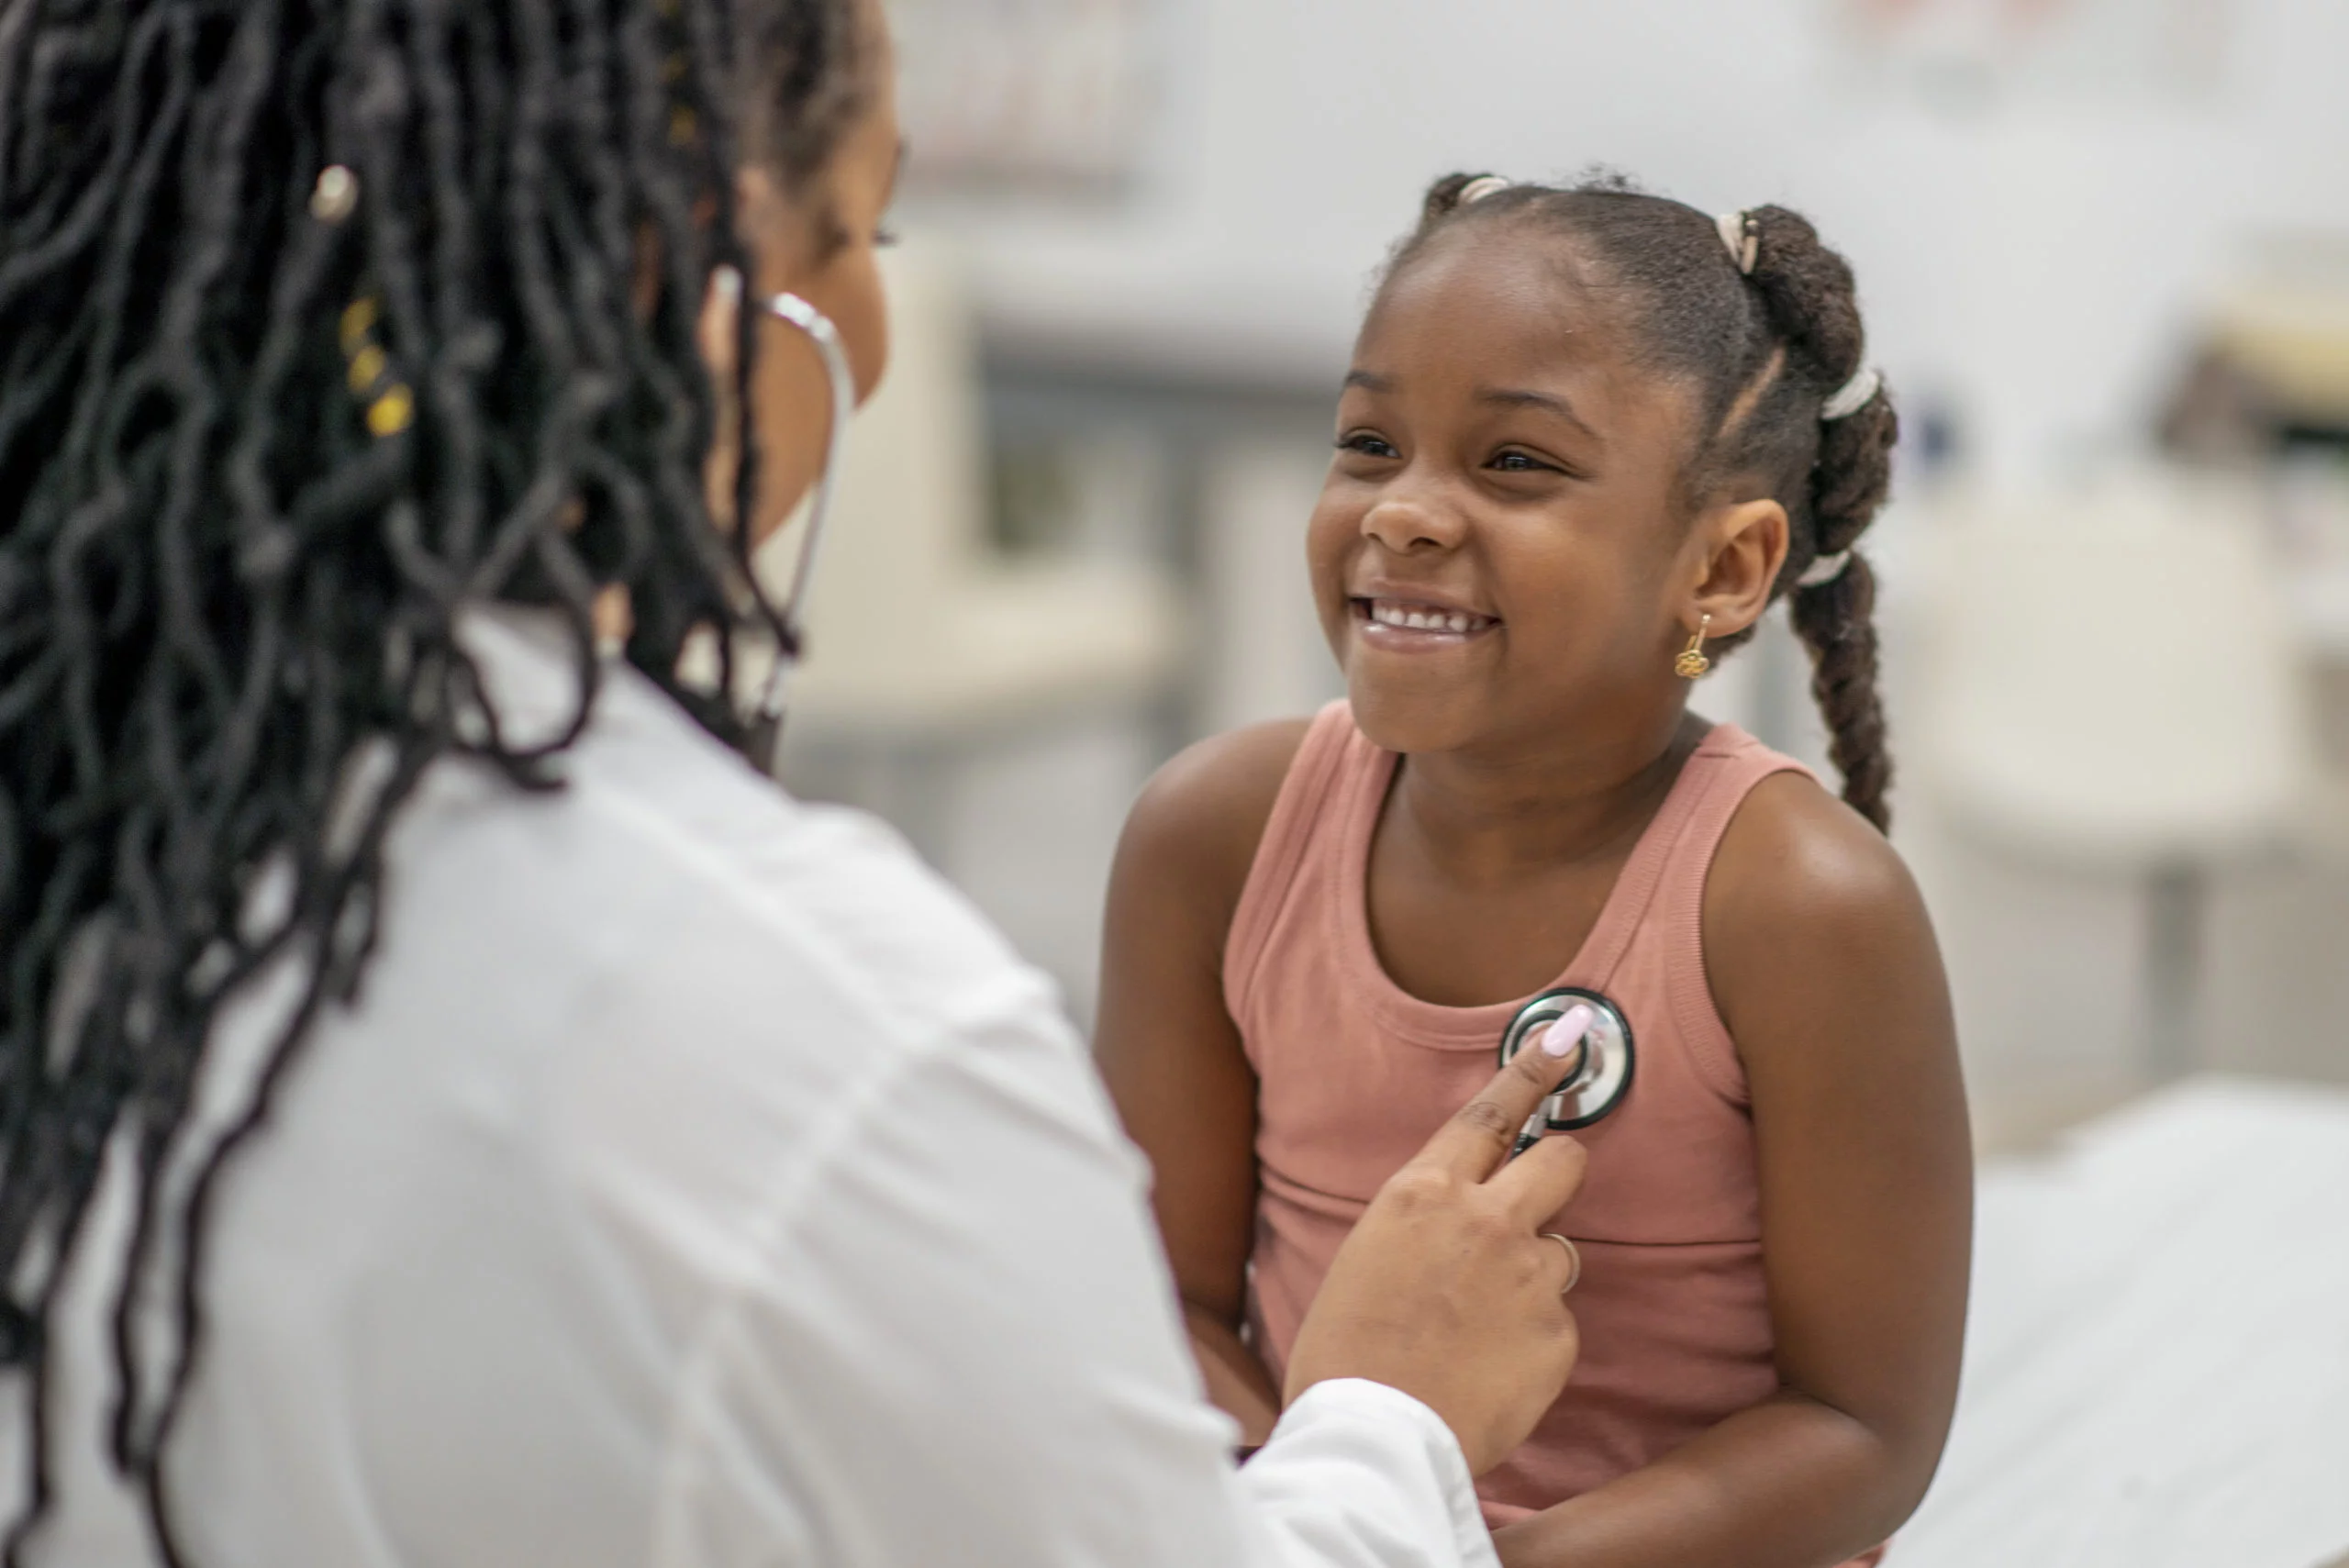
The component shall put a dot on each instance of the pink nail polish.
(1570, 1026)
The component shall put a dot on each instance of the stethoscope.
(1597, 1070)
(766, 724)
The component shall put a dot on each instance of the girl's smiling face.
(1496, 551)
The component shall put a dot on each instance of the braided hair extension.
(1764, 353)
(262, 436)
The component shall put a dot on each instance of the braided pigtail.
(1809, 292)
(1836, 622)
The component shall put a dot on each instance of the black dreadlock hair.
(1764, 350)
(261, 434)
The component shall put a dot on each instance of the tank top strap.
(1312, 802)
(1662, 893)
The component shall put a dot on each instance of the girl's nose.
(1404, 526)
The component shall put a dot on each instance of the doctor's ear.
(1736, 550)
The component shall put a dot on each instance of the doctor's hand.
(1446, 1290)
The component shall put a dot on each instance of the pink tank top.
(1675, 1326)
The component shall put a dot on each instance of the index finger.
(1472, 1144)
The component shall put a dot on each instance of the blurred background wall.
(2103, 246)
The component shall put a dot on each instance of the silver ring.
(1574, 1256)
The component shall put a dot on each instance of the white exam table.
(2157, 1363)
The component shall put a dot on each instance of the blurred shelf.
(1111, 314)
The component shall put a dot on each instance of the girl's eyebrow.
(1502, 396)
(1548, 403)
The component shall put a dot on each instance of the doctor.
(453, 1111)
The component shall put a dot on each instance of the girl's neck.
(1493, 819)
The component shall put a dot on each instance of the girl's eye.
(1519, 462)
(1368, 445)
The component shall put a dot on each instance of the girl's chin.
(1412, 719)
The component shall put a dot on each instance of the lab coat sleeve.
(1359, 1472)
(961, 1346)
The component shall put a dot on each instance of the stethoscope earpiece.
(1598, 1078)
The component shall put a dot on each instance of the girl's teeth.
(1455, 621)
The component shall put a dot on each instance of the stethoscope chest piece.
(1596, 1083)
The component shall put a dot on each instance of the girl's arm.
(1169, 1051)
(1823, 963)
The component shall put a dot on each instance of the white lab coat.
(699, 1181)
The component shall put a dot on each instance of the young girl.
(1587, 433)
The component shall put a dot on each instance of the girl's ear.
(1738, 552)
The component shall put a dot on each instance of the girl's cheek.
(1327, 533)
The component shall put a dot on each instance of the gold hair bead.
(394, 410)
(367, 367)
(391, 412)
(683, 128)
(358, 318)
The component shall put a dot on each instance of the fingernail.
(730, 285)
(1570, 1026)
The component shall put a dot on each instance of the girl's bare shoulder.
(1805, 892)
(1193, 831)
(1795, 850)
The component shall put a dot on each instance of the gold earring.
(391, 406)
(1692, 664)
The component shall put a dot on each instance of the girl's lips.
(1416, 626)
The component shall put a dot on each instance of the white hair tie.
(1825, 570)
(1854, 396)
(1737, 233)
(1484, 185)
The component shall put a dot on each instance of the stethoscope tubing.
(818, 327)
